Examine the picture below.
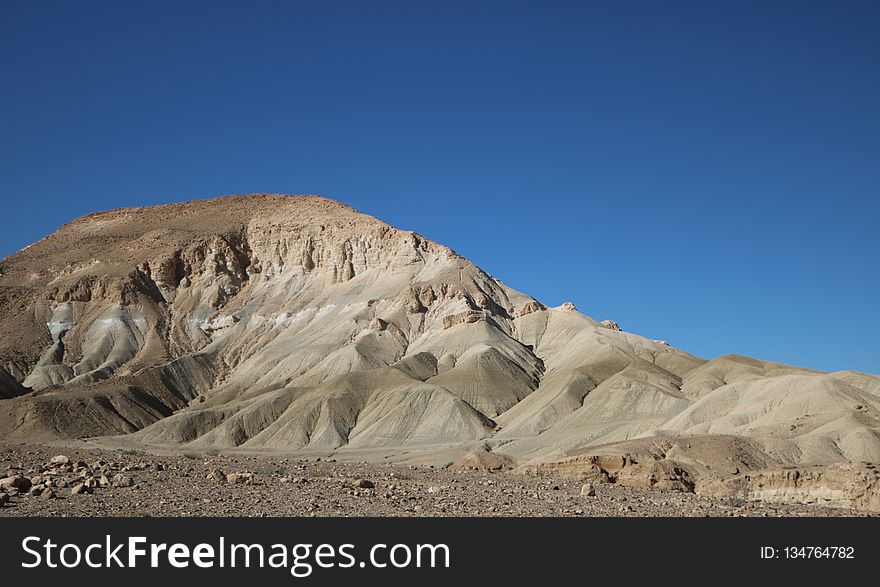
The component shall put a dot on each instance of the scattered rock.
(120, 480)
(333, 489)
(59, 460)
(239, 478)
(80, 488)
(365, 484)
(588, 490)
(18, 482)
(217, 475)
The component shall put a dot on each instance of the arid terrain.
(148, 485)
(273, 327)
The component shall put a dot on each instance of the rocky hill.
(295, 324)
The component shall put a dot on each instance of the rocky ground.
(40, 481)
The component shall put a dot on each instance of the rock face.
(842, 485)
(295, 323)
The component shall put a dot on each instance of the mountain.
(297, 324)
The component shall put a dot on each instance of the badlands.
(293, 327)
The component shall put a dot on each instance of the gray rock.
(19, 483)
(217, 475)
(120, 480)
(80, 488)
(588, 490)
(239, 478)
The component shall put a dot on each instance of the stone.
(19, 483)
(217, 475)
(59, 460)
(47, 493)
(365, 484)
(378, 324)
(588, 490)
(80, 488)
(239, 478)
(120, 480)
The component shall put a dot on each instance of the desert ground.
(130, 483)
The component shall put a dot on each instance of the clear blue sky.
(703, 172)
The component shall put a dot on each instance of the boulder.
(217, 475)
(19, 483)
(120, 480)
(80, 488)
(239, 478)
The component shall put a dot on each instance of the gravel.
(118, 483)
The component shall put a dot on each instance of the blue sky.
(702, 172)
